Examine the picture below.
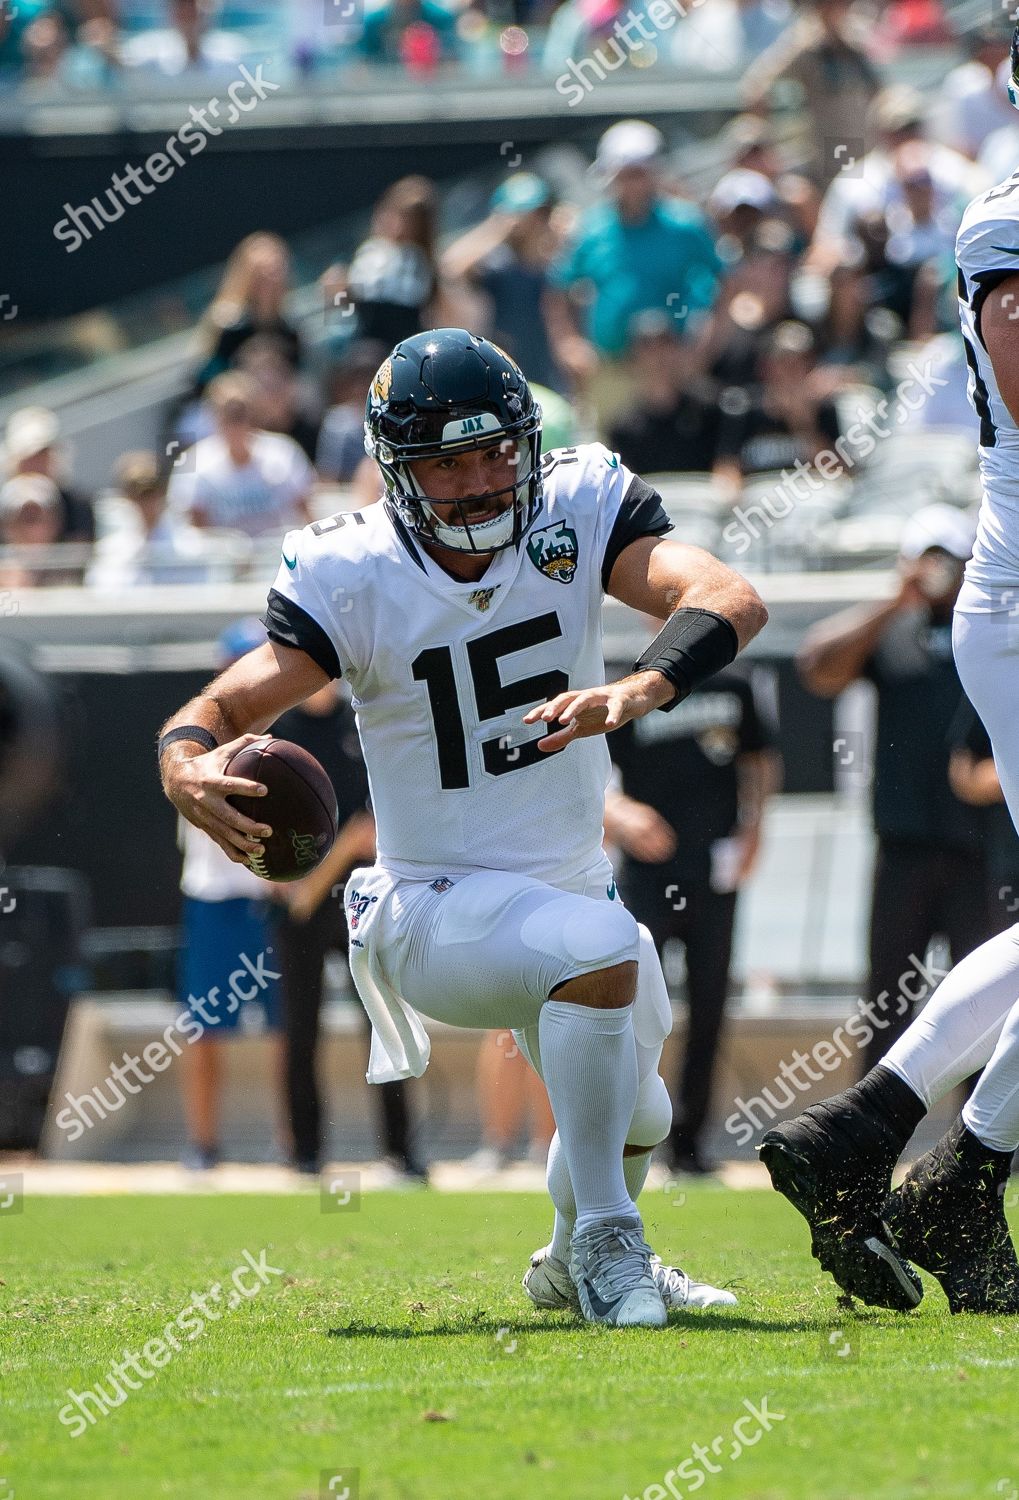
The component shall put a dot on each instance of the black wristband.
(691, 646)
(187, 732)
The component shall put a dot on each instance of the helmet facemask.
(417, 510)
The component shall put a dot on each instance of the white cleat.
(548, 1284)
(679, 1291)
(610, 1264)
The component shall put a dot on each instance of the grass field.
(397, 1343)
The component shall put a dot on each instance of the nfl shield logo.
(481, 598)
(442, 885)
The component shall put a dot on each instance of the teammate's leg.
(957, 1031)
(835, 1161)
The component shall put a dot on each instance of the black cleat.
(948, 1216)
(834, 1163)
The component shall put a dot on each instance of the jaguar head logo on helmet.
(448, 392)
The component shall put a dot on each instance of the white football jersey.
(442, 671)
(987, 250)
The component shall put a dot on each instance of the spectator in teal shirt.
(635, 250)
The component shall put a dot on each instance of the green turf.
(412, 1305)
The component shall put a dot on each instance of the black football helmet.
(446, 391)
(1013, 77)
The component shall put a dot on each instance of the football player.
(464, 611)
(834, 1162)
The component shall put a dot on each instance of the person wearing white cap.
(741, 188)
(31, 445)
(29, 518)
(635, 249)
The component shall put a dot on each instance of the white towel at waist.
(400, 1044)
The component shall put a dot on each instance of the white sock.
(957, 1030)
(992, 1110)
(589, 1062)
(560, 1190)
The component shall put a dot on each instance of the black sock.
(893, 1101)
(974, 1158)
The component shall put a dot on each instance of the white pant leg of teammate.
(834, 1162)
(972, 1021)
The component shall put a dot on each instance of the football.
(299, 806)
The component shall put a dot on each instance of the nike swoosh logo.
(598, 1307)
(290, 562)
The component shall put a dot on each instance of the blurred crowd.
(102, 44)
(725, 326)
(723, 330)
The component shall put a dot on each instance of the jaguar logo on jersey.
(553, 551)
(481, 598)
(357, 906)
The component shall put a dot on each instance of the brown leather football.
(299, 806)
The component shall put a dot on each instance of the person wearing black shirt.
(315, 924)
(694, 785)
(929, 875)
(780, 421)
(974, 780)
(672, 426)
